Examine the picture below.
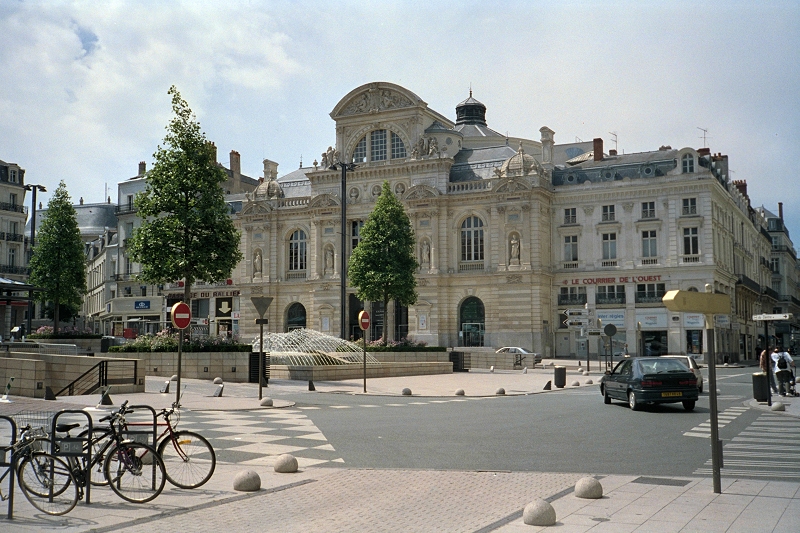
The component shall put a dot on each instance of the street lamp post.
(344, 167)
(33, 188)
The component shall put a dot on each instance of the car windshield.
(662, 366)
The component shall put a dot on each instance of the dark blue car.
(642, 380)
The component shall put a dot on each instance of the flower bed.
(166, 341)
(46, 332)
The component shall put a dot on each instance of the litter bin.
(560, 377)
(760, 387)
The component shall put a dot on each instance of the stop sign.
(181, 315)
(363, 320)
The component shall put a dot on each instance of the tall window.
(472, 239)
(648, 210)
(571, 248)
(12, 256)
(13, 227)
(609, 245)
(775, 265)
(649, 248)
(688, 164)
(608, 213)
(690, 242)
(12, 176)
(297, 250)
(570, 216)
(378, 146)
(398, 148)
(360, 153)
(355, 233)
(689, 206)
(12, 199)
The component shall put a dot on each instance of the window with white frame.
(378, 145)
(775, 265)
(297, 250)
(12, 176)
(609, 246)
(608, 213)
(12, 256)
(688, 163)
(611, 294)
(690, 241)
(12, 199)
(649, 246)
(570, 216)
(571, 248)
(648, 210)
(360, 153)
(13, 227)
(398, 148)
(650, 290)
(689, 206)
(472, 239)
(355, 233)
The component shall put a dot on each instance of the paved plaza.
(325, 495)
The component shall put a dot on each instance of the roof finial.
(301, 160)
(470, 89)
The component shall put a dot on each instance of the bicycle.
(189, 459)
(43, 478)
(134, 471)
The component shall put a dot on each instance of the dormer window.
(382, 145)
(688, 163)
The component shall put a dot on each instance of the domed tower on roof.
(519, 164)
(471, 111)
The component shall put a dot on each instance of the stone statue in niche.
(514, 249)
(433, 147)
(400, 188)
(257, 264)
(425, 255)
(420, 147)
(328, 260)
(325, 163)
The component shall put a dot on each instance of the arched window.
(295, 317)
(297, 250)
(472, 239)
(688, 163)
(379, 145)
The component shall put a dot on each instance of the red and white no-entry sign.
(363, 320)
(181, 315)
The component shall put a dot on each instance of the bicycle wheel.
(100, 445)
(135, 472)
(188, 458)
(45, 481)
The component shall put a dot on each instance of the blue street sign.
(141, 304)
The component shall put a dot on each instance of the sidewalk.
(324, 500)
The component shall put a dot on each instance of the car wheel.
(606, 397)
(688, 405)
(632, 401)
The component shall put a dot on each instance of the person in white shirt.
(781, 361)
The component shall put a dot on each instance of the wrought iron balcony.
(571, 299)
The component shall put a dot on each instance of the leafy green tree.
(58, 261)
(186, 231)
(383, 264)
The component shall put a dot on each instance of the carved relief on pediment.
(256, 208)
(511, 185)
(323, 200)
(374, 100)
(421, 191)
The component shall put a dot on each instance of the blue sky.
(84, 97)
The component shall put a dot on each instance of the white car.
(690, 362)
(535, 358)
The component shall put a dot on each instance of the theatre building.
(511, 234)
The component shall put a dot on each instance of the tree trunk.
(388, 334)
(56, 306)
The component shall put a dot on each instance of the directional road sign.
(577, 312)
(777, 316)
(594, 331)
(576, 322)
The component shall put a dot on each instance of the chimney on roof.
(236, 170)
(612, 152)
(742, 186)
(598, 149)
(142, 168)
(703, 151)
(780, 210)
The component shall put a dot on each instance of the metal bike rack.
(7, 460)
(74, 446)
(143, 436)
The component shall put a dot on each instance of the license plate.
(670, 394)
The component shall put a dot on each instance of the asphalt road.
(564, 431)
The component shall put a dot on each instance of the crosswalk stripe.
(748, 473)
(701, 435)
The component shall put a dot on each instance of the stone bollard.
(286, 464)
(777, 406)
(576, 383)
(491, 369)
(174, 377)
(539, 513)
(501, 391)
(588, 382)
(525, 370)
(406, 392)
(266, 402)
(247, 481)
(217, 381)
(589, 488)
(459, 392)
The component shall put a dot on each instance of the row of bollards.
(250, 481)
(540, 513)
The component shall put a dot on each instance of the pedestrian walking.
(764, 362)
(782, 362)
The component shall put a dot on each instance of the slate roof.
(472, 164)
